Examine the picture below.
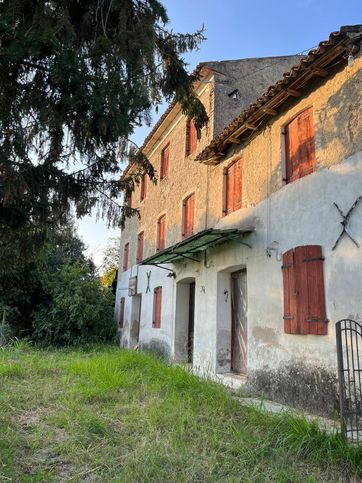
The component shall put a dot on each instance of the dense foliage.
(56, 297)
(76, 79)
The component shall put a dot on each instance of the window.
(143, 187)
(233, 187)
(125, 257)
(191, 137)
(165, 157)
(121, 313)
(299, 146)
(161, 232)
(188, 207)
(303, 281)
(140, 239)
(129, 201)
(157, 302)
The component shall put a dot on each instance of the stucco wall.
(337, 108)
(297, 369)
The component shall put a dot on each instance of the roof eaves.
(273, 99)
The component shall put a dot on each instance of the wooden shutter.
(125, 257)
(140, 239)
(313, 319)
(165, 156)
(121, 313)
(300, 148)
(290, 301)
(237, 185)
(188, 208)
(143, 187)
(157, 303)
(161, 231)
(187, 147)
(190, 215)
(233, 187)
(129, 200)
(193, 137)
(304, 298)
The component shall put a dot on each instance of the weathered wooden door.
(190, 336)
(239, 332)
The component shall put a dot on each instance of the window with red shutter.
(188, 208)
(233, 187)
(304, 298)
(299, 146)
(165, 158)
(191, 137)
(121, 313)
(125, 257)
(161, 232)
(140, 239)
(143, 190)
(157, 303)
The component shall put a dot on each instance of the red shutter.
(121, 313)
(190, 215)
(193, 137)
(237, 185)
(140, 239)
(313, 313)
(304, 298)
(157, 302)
(290, 302)
(165, 156)
(299, 144)
(143, 187)
(161, 228)
(187, 147)
(125, 256)
(230, 189)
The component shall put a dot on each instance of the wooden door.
(190, 336)
(239, 331)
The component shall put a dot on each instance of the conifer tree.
(77, 78)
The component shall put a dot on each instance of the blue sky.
(238, 29)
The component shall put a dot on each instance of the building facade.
(236, 264)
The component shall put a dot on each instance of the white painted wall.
(301, 213)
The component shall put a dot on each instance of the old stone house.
(233, 265)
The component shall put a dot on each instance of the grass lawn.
(103, 414)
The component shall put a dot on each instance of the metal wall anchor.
(345, 221)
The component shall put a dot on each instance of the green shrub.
(78, 309)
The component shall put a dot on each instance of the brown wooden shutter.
(121, 313)
(161, 229)
(237, 185)
(157, 303)
(300, 148)
(193, 137)
(304, 298)
(140, 240)
(125, 257)
(190, 215)
(187, 147)
(230, 189)
(313, 318)
(143, 187)
(290, 302)
(165, 156)
(129, 201)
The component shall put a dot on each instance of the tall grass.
(104, 414)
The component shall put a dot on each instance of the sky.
(237, 29)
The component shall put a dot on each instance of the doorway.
(185, 320)
(239, 326)
(135, 320)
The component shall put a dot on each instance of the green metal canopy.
(194, 244)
